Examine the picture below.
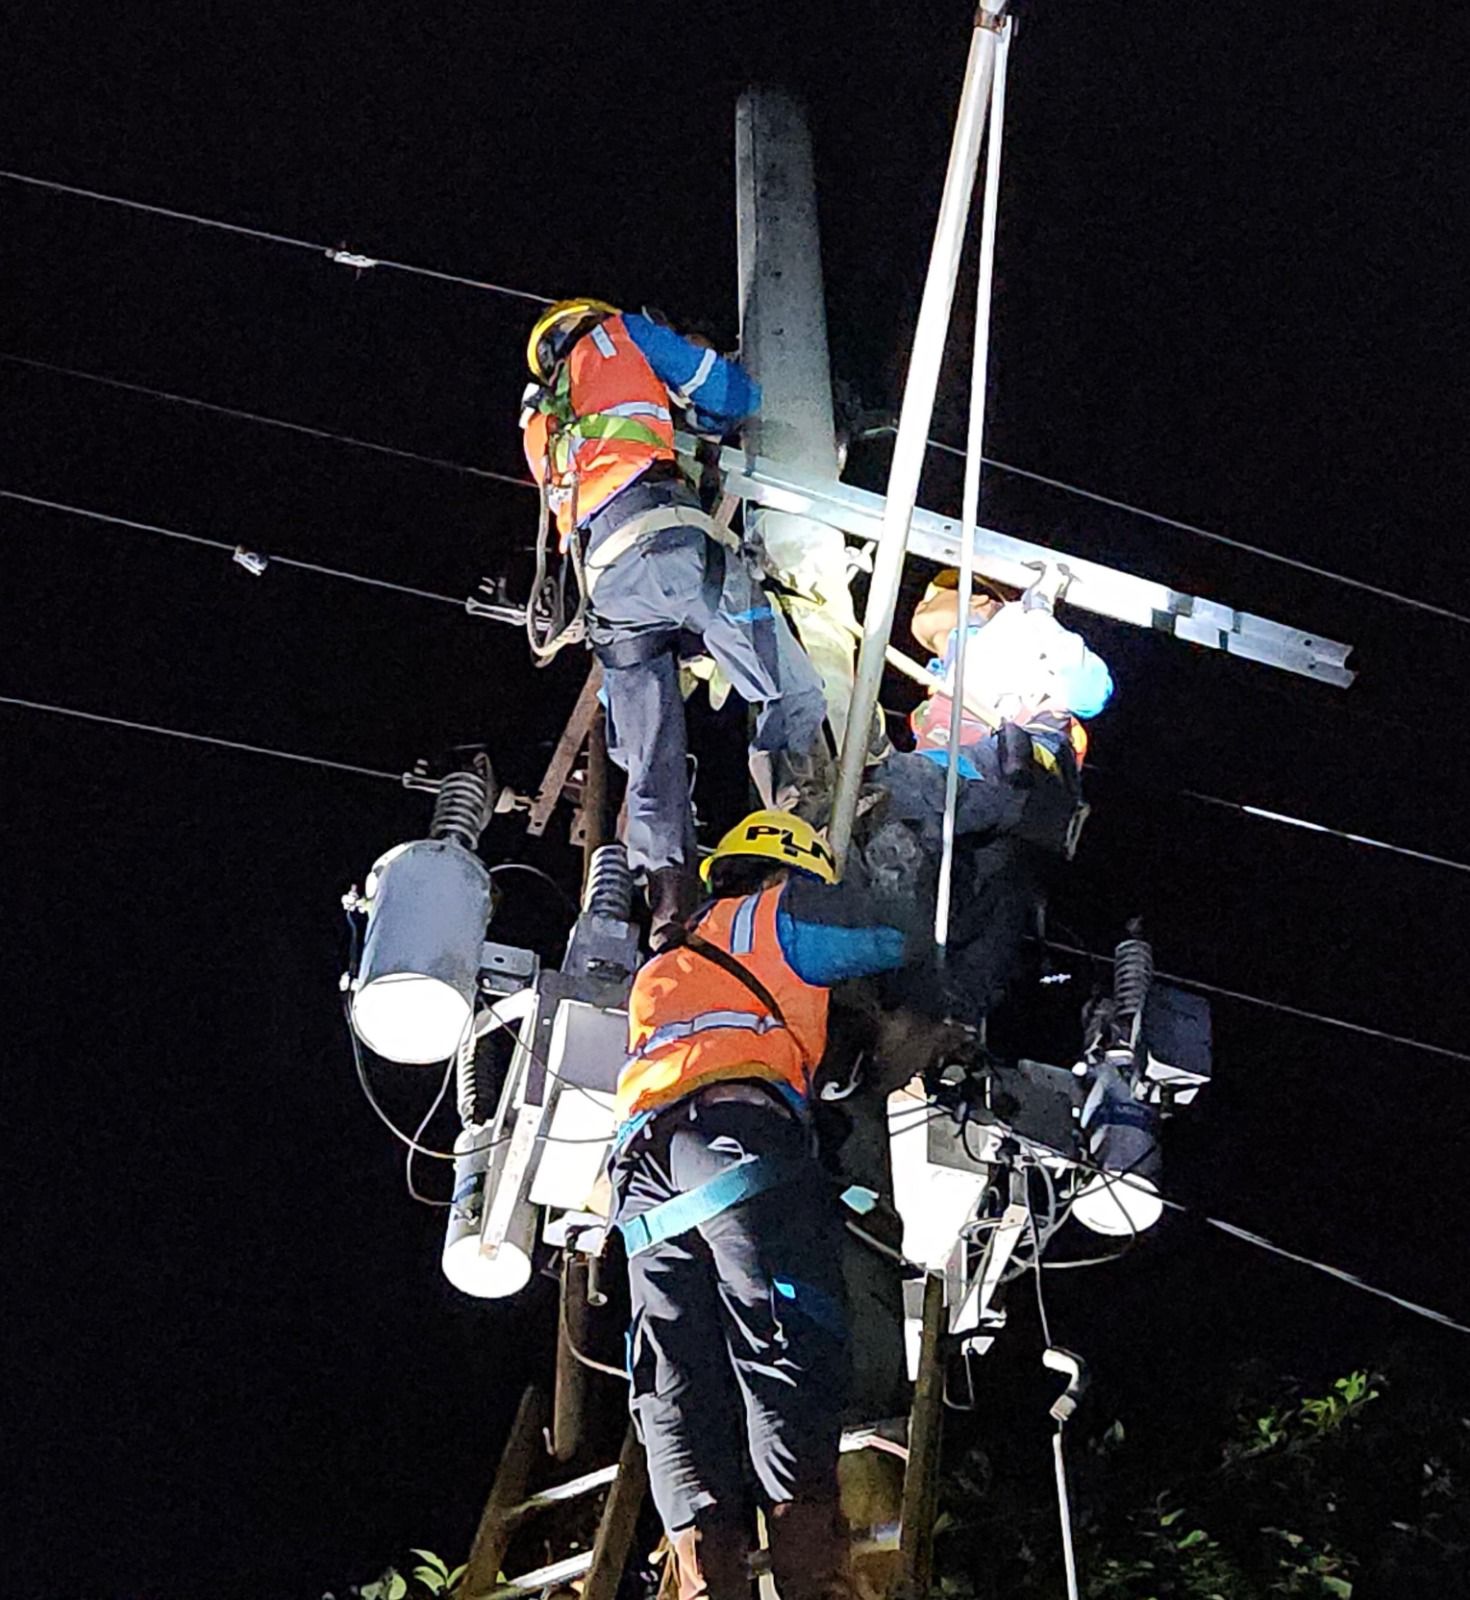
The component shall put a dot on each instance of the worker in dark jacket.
(737, 1350)
(1029, 685)
(659, 576)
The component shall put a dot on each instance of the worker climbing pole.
(804, 1187)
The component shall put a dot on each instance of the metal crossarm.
(1015, 562)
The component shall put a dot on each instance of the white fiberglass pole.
(970, 507)
(913, 422)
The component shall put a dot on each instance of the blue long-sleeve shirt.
(718, 393)
(830, 932)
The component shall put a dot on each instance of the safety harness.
(747, 1178)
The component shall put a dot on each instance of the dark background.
(1228, 289)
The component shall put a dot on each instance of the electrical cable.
(228, 548)
(538, 872)
(266, 421)
(1263, 1243)
(418, 1133)
(360, 263)
(1277, 1005)
(1209, 534)
(199, 738)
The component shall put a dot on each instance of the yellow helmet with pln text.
(778, 836)
(549, 334)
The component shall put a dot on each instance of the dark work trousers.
(738, 1349)
(1009, 840)
(660, 587)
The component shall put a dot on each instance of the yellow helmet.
(563, 316)
(781, 837)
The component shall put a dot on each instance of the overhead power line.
(265, 421)
(1260, 1242)
(937, 444)
(1209, 533)
(1264, 814)
(230, 549)
(346, 257)
(200, 738)
(1261, 813)
(1276, 1005)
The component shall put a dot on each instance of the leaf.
(431, 1560)
(397, 1586)
(432, 1578)
(1193, 1537)
(1338, 1586)
(458, 1573)
(1169, 1518)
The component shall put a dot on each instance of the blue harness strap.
(685, 1211)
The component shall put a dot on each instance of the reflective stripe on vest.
(691, 1022)
(607, 420)
(671, 1031)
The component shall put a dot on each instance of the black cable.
(198, 738)
(229, 548)
(268, 421)
(538, 872)
(359, 262)
(1275, 1005)
(418, 1133)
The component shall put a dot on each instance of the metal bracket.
(498, 607)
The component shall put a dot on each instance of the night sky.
(1229, 289)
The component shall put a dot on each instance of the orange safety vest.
(929, 722)
(603, 420)
(690, 1023)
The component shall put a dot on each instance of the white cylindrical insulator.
(428, 907)
(1122, 1138)
(476, 1168)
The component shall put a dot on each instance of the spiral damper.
(428, 907)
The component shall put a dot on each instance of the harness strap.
(656, 520)
(705, 1202)
(736, 969)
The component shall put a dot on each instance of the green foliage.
(430, 1578)
(1318, 1495)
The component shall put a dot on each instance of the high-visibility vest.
(691, 1023)
(600, 423)
(929, 722)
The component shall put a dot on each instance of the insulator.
(609, 891)
(462, 808)
(1133, 976)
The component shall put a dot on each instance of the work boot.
(710, 1560)
(811, 1552)
(671, 899)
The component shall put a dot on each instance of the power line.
(1210, 534)
(1261, 813)
(265, 421)
(363, 263)
(1262, 1243)
(1277, 1005)
(345, 257)
(230, 549)
(199, 738)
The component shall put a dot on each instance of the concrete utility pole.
(783, 342)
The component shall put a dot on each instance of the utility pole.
(783, 342)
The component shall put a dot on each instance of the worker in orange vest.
(737, 1350)
(658, 576)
